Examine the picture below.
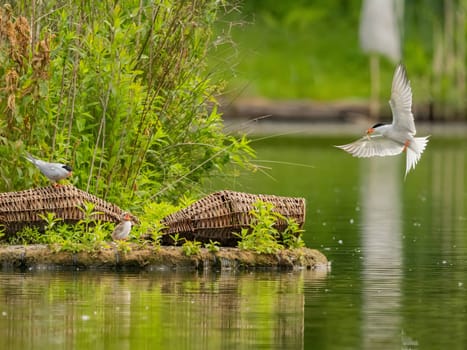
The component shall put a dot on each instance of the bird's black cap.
(67, 167)
(378, 124)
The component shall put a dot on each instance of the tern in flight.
(391, 139)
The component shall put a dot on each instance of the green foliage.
(263, 237)
(89, 213)
(79, 237)
(89, 234)
(123, 246)
(151, 217)
(212, 246)
(50, 221)
(292, 235)
(86, 235)
(28, 235)
(176, 239)
(286, 50)
(190, 248)
(119, 90)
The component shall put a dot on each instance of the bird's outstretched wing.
(375, 146)
(401, 101)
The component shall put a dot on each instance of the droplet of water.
(460, 284)
(4, 313)
(85, 317)
(351, 221)
(340, 241)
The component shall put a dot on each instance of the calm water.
(398, 279)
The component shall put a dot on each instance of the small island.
(140, 258)
(65, 228)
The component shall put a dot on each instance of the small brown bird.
(122, 230)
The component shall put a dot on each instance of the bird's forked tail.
(414, 153)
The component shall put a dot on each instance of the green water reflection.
(398, 248)
(160, 310)
(398, 280)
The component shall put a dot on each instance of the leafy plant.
(89, 213)
(123, 246)
(50, 221)
(27, 235)
(212, 246)
(262, 236)
(152, 214)
(85, 235)
(191, 248)
(291, 237)
(176, 239)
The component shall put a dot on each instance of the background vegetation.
(119, 90)
(309, 49)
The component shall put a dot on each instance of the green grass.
(310, 50)
(320, 60)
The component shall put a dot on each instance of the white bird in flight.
(392, 139)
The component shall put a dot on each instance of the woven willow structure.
(217, 216)
(23, 208)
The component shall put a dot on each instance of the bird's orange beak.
(70, 173)
(370, 131)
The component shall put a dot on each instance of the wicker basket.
(217, 216)
(23, 208)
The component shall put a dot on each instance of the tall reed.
(118, 89)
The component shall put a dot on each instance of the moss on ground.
(31, 257)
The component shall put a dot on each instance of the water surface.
(398, 279)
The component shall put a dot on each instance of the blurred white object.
(379, 27)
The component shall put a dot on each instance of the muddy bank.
(266, 117)
(295, 110)
(43, 257)
(351, 111)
